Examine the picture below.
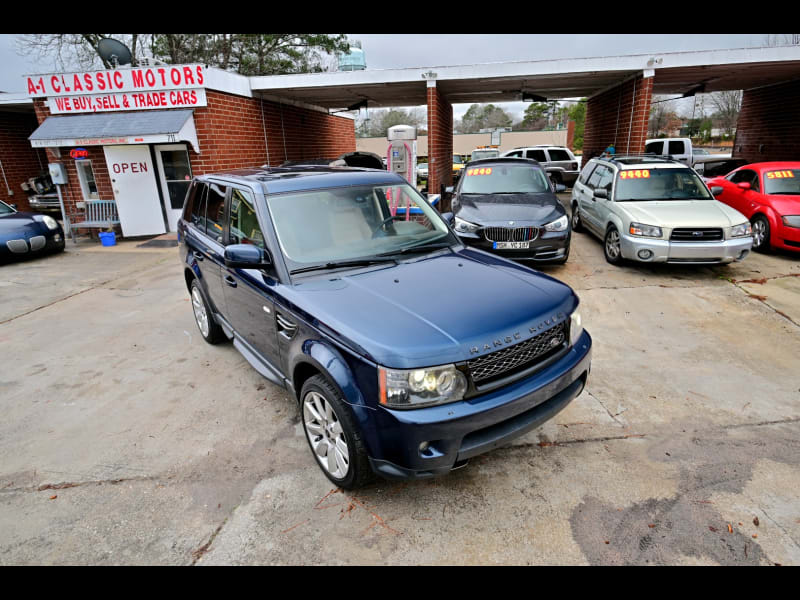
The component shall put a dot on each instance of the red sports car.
(768, 194)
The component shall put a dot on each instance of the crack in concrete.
(763, 299)
(779, 526)
(614, 417)
(198, 554)
(71, 484)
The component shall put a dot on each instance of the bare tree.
(728, 104)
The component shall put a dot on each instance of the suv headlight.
(742, 230)
(49, 221)
(415, 388)
(645, 230)
(791, 220)
(463, 226)
(559, 224)
(575, 327)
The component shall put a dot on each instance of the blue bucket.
(108, 238)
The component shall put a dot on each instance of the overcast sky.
(391, 51)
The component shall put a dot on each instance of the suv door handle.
(230, 280)
(198, 255)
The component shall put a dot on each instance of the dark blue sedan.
(27, 234)
(408, 352)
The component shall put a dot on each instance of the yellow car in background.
(458, 166)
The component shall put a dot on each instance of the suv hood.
(683, 213)
(491, 208)
(433, 310)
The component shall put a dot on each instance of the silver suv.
(558, 161)
(652, 209)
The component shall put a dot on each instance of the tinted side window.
(676, 147)
(215, 211)
(198, 205)
(244, 227)
(517, 153)
(654, 148)
(748, 176)
(536, 155)
(558, 155)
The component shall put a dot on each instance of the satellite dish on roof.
(117, 53)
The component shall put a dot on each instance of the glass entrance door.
(175, 174)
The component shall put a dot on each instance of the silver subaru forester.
(655, 209)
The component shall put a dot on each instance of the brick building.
(143, 159)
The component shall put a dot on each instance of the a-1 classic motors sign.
(168, 86)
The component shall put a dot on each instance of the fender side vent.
(285, 327)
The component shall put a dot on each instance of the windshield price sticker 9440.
(780, 174)
(637, 174)
(483, 171)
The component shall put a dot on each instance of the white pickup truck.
(681, 149)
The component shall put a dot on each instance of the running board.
(258, 364)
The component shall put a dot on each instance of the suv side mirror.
(601, 194)
(449, 217)
(246, 256)
(716, 190)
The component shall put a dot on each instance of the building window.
(86, 178)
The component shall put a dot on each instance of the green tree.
(577, 113)
(486, 116)
(535, 116)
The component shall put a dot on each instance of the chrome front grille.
(696, 234)
(510, 234)
(525, 354)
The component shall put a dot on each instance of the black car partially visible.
(508, 206)
(25, 234)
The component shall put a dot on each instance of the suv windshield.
(359, 222)
(484, 154)
(660, 184)
(505, 179)
(784, 181)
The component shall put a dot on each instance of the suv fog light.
(645, 254)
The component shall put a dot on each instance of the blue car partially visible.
(24, 234)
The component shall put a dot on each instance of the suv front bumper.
(461, 430)
(722, 252)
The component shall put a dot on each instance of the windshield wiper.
(342, 263)
(421, 247)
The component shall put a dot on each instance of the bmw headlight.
(791, 220)
(742, 230)
(559, 224)
(415, 388)
(645, 230)
(49, 221)
(575, 327)
(463, 226)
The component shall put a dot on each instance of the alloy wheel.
(200, 314)
(326, 435)
(759, 233)
(612, 244)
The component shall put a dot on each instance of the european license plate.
(510, 245)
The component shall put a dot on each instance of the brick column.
(440, 140)
(618, 116)
(768, 128)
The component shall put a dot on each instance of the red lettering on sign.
(150, 77)
(187, 75)
(138, 79)
(101, 83)
(76, 83)
(162, 72)
(54, 83)
(87, 79)
(118, 80)
(175, 76)
(199, 75)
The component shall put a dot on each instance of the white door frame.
(172, 214)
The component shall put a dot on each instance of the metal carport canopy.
(675, 73)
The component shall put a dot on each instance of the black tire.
(615, 258)
(761, 233)
(575, 219)
(204, 317)
(316, 397)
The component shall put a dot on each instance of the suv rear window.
(536, 155)
(556, 154)
(660, 184)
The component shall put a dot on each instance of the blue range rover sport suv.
(408, 352)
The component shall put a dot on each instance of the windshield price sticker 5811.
(780, 174)
(484, 171)
(637, 174)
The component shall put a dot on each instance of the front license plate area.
(510, 245)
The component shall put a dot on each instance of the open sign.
(79, 153)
